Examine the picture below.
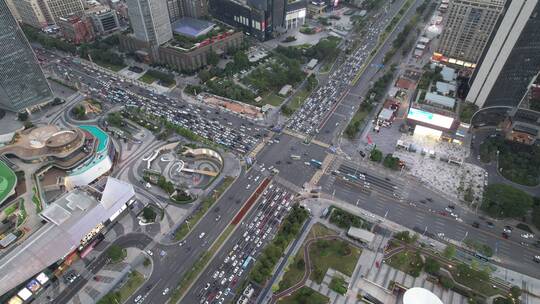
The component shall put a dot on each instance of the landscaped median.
(189, 278)
(184, 229)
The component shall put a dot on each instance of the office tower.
(467, 29)
(64, 8)
(176, 10)
(22, 83)
(40, 13)
(104, 19)
(195, 8)
(150, 21)
(31, 12)
(512, 60)
(187, 8)
(13, 9)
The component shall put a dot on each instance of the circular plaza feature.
(418, 295)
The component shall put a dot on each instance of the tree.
(146, 262)
(515, 292)
(536, 213)
(505, 201)
(432, 266)
(149, 214)
(446, 282)
(115, 253)
(212, 58)
(204, 75)
(376, 155)
(22, 116)
(391, 162)
(450, 251)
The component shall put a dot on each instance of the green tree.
(376, 155)
(115, 253)
(391, 162)
(515, 292)
(146, 262)
(505, 201)
(432, 266)
(149, 214)
(204, 75)
(22, 116)
(447, 282)
(536, 212)
(212, 58)
(450, 251)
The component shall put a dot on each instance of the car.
(223, 281)
(219, 294)
(182, 243)
(476, 224)
(218, 218)
(138, 298)
(149, 252)
(202, 235)
(527, 235)
(507, 229)
(536, 258)
(490, 224)
(165, 291)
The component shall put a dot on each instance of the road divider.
(204, 260)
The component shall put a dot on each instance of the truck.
(247, 262)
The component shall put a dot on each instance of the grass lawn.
(134, 281)
(147, 78)
(7, 181)
(112, 67)
(295, 270)
(408, 262)
(473, 280)
(305, 295)
(272, 99)
(335, 254)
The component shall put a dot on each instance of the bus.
(247, 262)
(315, 163)
(295, 157)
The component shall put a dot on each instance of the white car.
(166, 291)
(138, 298)
(527, 235)
(202, 235)
(207, 286)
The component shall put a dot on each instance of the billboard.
(430, 118)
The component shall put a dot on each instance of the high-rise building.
(22, 83)
(40, 13)
(150, 21)
(104, 19)
(467, 28)
(187, 8)
(512, 60)
(13, 10)
(260, 18)
(64, 8)
(31, 13)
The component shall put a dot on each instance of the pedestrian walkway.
(112, 276)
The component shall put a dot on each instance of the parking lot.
(232, 264)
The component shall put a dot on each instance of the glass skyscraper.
(22, 83)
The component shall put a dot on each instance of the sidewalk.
(110, 276)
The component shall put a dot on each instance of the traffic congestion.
(234, 262)
(313, 114)
(230, 131)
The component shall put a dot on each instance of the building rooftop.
(444, 87)
(69, 219)
(448, 74)
(192, 27)
(361, 234)
(444, 101)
